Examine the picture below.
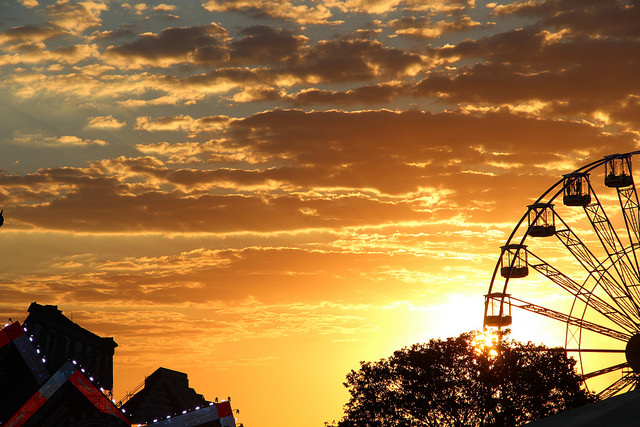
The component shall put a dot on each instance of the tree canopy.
(463, 382)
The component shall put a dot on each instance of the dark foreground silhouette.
(463, 382)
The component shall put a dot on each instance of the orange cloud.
(423, 28)
(106, 122)
(29, 3)
(165, 7)
(76, 18)
(295, 11)
(65, 140)
(182, 122)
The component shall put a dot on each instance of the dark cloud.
(384, 150)
(30, 33)
(582, 74)
(238, 75)
(68, 51)
(352, 60)
(205, 42)
(531, 50)
(111, 209)
(325, 62)
(609, 18)
(29, 49)
(261, 44)
(295, 134)
(375, 95)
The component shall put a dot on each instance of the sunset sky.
(262, 193)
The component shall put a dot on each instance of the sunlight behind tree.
(486, 342)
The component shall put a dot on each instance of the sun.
(486, 342)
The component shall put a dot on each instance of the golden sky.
(262, 193)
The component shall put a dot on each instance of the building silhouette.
(60, 340)
(166, 392)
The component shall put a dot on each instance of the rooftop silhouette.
(165, 392)
(61, 340)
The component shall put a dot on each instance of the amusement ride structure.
(573, 259)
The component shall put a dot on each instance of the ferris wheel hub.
(632, 352)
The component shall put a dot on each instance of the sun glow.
(486, 341)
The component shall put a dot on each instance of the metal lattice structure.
(579, 268)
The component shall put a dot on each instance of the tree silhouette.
(463, 382)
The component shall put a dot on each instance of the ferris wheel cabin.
(498, 310)
(576, 189)
(513, 261)
(617, 171)
(541, 220)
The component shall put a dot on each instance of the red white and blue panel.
(204, 416)
(14, 332)
(68, 372)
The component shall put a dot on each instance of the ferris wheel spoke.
(628, 379)
(570, 320)
(602, 226)
(629, 203)
(618, 293)
(604, 370)
(578, 291)
(624, 267)
(628, 198)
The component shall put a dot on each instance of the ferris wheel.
(572, 262)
